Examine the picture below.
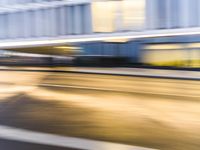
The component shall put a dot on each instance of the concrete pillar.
(151, 14)
(19, 23)
(32, 20)
(38, 23)
(53, 24)
(168, 14)
(46, 24)
(1, 26)
(184, 13)
(193, 11)
(63, 21)
(4, 26)
(50, 24)
(26, 24)
(69, 21)
(77, 21)
(11, 25)
(59, 21)
(162, 14)
(198, 14)
(87, 19)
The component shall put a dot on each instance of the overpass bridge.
(64, 45)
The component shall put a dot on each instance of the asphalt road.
(13, 145)
(148, 112)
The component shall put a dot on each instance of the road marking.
(114, 90)
(22, 135)
(171, 74)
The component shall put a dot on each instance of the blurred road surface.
(147, 112)
(13, 145)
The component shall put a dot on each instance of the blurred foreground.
(149, 112)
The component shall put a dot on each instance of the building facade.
(44, 18)
(55, 18)
(167, 14)
(118, 15)
(68, 21)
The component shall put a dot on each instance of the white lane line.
(115, 90)
(177, 74)
(21, 135)
(146, 74)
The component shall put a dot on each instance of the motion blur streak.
(115, 71)
(166, 118)
(55, 140)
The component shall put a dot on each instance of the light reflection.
(118, 15)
